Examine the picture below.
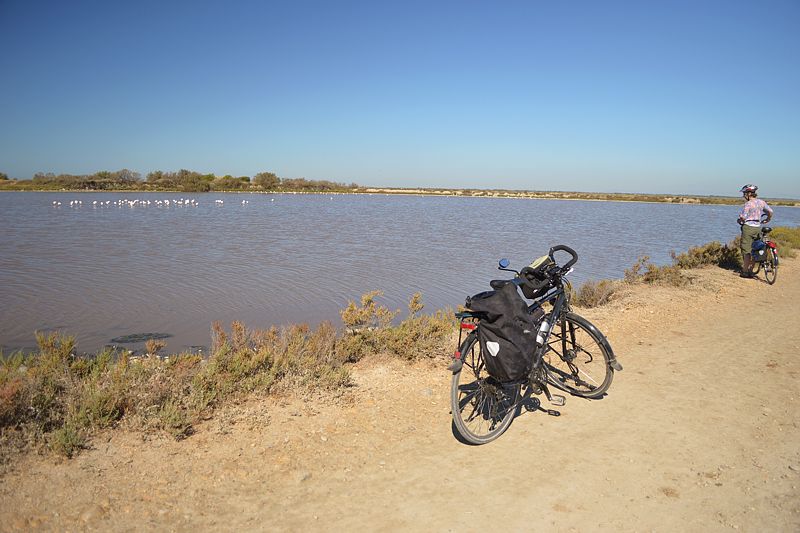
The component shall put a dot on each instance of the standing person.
(750, 219)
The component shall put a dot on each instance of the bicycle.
(765, 254)
(570, 354)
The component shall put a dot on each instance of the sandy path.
(699, 433)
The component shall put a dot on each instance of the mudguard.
(612, 360)
(455, 366)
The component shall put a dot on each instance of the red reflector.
(457, 355)
(470, 327)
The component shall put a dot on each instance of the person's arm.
(768, 211)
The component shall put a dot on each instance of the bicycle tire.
(770, 267)
(586, 369)
(756, 267)
(482, 407)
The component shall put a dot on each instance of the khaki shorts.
(749, 234)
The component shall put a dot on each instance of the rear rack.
(462, 315)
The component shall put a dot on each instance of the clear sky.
(693, 97)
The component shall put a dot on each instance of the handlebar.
(564, 248)
(535, 281)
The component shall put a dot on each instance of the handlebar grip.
(564, 248)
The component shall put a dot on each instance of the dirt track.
(699, 433)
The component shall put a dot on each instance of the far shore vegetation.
(56, 401)
(191, 181)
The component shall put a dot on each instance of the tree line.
(182, 180)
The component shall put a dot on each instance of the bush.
(714, 253)
(58, 399)
(788, 240)
(369, 330)
(644, 271)
(594, 293)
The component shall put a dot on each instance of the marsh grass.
(788, 240)
(595, 293)
(55, 400)
(369, 330)
(714, 253)
(727, 256)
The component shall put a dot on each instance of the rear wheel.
(771, 267)
(483, 408)
(577, 358)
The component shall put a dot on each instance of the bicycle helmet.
(748, 188)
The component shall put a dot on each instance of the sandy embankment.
(699, 433)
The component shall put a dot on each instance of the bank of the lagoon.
(63, 398)
(478, 193)
(104, 266)
(274, 436)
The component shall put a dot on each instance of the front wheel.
(771, 267)
(482, 407)
(578, 358)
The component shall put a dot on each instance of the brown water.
(104, 272)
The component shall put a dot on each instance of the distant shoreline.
(463, 193)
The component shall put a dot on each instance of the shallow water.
(101, 273)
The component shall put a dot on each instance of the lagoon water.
(103, 272)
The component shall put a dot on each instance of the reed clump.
(714, 253)
(56, 400)
(788, 240)
(727, 256)
(595, 293)
(369, 330)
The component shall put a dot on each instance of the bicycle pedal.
(557, 400)
(553, 412)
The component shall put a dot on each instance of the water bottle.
(542, 331)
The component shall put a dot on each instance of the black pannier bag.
(507, 333)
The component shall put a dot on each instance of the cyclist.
(750, 220)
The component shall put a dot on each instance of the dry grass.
(788, 240)
(55, 400)
(727, 256)
(595, 293)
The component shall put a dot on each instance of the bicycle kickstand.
(555, 399)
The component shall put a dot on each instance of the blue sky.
(694, 97)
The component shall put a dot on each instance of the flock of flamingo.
(182, 202)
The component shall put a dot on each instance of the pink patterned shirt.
(752, 211)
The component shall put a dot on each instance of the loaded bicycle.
(545, 344)
(765, 256)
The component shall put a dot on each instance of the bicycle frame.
(568, 353)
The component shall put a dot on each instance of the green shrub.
(644, 271)
(788, 240)
(58, 399)
(369, 330)
(67, 440)
(594, 293)
(713, 253)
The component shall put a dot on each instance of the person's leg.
(749, 234)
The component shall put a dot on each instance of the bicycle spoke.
(576, 361)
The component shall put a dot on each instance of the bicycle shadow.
(528, 403)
